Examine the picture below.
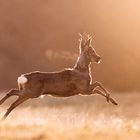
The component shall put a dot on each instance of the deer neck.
(82, 64)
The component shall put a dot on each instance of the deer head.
(86, 48)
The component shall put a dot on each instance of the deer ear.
(81, 47)
(81, 43)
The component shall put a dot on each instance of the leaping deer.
(65, 83)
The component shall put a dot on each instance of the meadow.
(74, 118)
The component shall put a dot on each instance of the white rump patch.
(22, 79)
(42, 96)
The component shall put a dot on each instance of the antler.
(84, 36)
(85, 39)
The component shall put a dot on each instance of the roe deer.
(65, 83)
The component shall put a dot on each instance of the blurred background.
(43, 35)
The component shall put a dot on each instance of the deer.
(65, 83)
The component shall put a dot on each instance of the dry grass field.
(75, 118)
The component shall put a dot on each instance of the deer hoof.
(113, 101)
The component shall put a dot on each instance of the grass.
(75, 118)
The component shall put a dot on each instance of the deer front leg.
(96, 91)
(98, 84)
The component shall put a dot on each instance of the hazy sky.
(30, 30)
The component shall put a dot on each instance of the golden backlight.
(42, 35)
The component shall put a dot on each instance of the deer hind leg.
(97, 91)
(9, 94)
(20, 100)
(96, 85)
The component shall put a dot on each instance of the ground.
(75, 118)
